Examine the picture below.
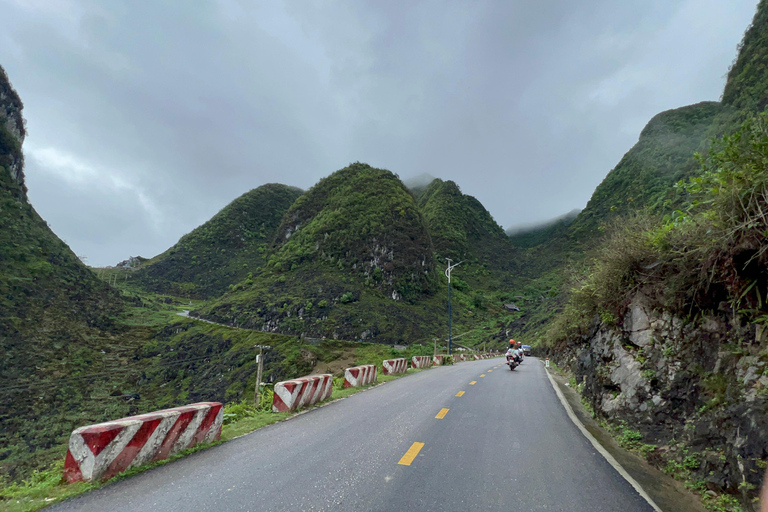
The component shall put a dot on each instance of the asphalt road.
(505, 444)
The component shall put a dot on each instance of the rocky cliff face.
(697, 391)
(12, 132)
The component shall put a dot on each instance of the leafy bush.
(236, 411)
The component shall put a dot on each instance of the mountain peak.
(12, 133)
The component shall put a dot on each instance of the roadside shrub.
(235, 411)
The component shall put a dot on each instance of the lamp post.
(448, 275)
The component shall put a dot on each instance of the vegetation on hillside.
(11, 156)
(643, 178)
(364, 222)
(462, 229)
(747, 85)
(712, 254)
(222, 251)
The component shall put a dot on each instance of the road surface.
(505, 444)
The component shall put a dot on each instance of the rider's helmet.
(511, 342)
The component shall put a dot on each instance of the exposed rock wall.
(697, 390)
(12, 132)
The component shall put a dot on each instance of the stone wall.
(696, 390)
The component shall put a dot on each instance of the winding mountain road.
(474, 436)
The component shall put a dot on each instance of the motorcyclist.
(511, 350)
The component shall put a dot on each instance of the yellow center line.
(411, 454)
(460, 393)
(490, 371)
(483, 375)
(473, 383)
(442, 414)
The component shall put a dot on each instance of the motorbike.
(512, 362)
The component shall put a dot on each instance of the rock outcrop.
(697, 391)
(12, 132)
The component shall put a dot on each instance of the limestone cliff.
(12, 133)
(697, 391)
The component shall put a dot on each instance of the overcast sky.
(147, 117)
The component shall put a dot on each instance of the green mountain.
(348, 260)
(531, 236)
(461, 227)
(363, 220)
(56, 318)
(663, 155)
(224, 250)
(645, 178)
(664, 152)
(747, 86)
(463, 230)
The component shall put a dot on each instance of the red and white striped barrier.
(459, 358)
(437, 360)
(421, 361)
(394, 366)
(99, 452)
(291, 395)
(359, 376)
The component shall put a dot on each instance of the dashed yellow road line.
(442, 414)
(460, 393)
(483, 375)
(490, 371)
(411, 454)
(473, 383)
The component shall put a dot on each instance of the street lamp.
(448, 275)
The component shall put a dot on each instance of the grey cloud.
(526, 105)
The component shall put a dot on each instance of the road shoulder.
(667, 493)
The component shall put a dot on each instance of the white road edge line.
(611, 460)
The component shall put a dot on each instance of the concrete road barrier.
(421, 362)
(99, 452)
(291, 395)
(394, 366)
(359, 376)
(437, 360)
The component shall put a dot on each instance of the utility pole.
(448, 275)
(259, 373)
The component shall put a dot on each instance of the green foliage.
(713, 251)
(628, 438)
(228, 248)
(459, 284)
(236, 411)
(463, 230)
(644, 177)
(747, 85)
(365, 220)
(692, 462)
(478, 300)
